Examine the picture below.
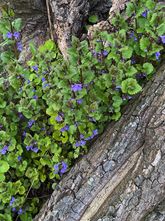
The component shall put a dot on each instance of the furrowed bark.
(123, 175)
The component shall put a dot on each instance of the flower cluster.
(60, 168)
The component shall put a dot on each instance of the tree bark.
(123, 175)
(67, 17)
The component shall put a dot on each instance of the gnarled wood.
(123, 174)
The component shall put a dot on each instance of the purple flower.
(81, 136)
(20, 115)
(66, 128)
(144, 14)
(35, 67)
(157, 55)
(80, 101)
(9, 35)
(95, 132)
(28, 81)
(20, 211)
(163, 39)
(35, 149)
(118, 87)
(56, 168)
(132, 35)
(29, 147)
(58, 118)
(34, 90)
(30, 123)
(133, 61)
(46, 85)
(140, 75)
(4, 150)
(43, 79)
(104, 53)
(16, 35)
(76, 87)
(19, 158)
(19, 46)
(12, 200)
(13, 209)
(80, 143)
(64, 167)
(35, 97)
(24, 134)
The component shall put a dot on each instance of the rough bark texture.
(68, 16)
(123, 176)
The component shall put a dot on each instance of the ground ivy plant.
(51, 109)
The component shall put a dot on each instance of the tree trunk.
(123, 175)
(67, 17)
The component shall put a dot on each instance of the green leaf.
(17, 23)
(126, 52)
(131, 71)
(150, 4)
(2, 104)
(161, 29)
(6, 57)
(4, 166)
(93, 19)
(21, 190)
(130, 9)
(130, 86)
(148, 68)
(116, 116)
(2, 177)
(47, 46)
(144, 43)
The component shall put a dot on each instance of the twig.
(49, 19)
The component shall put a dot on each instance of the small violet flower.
(4, 150)
(35, 67)
(35, 149)
(104, 53)
(16, 35)
(66, 128)
(80, 101)
(118, 87)
(30, 123)
(12, 200)
(13, 209)
(76, 87)
(132, 35)
(144, 14)
(163, 39)
(64, 167)
(157, 55)
(35, 97)
(9, 35)
(19, 46)
(19, 158)
(46, 85)
(133, 61)
(20, 211)
(80, 143)
(58, 118)
(56, 168)
(140, 75)
(43, 79)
